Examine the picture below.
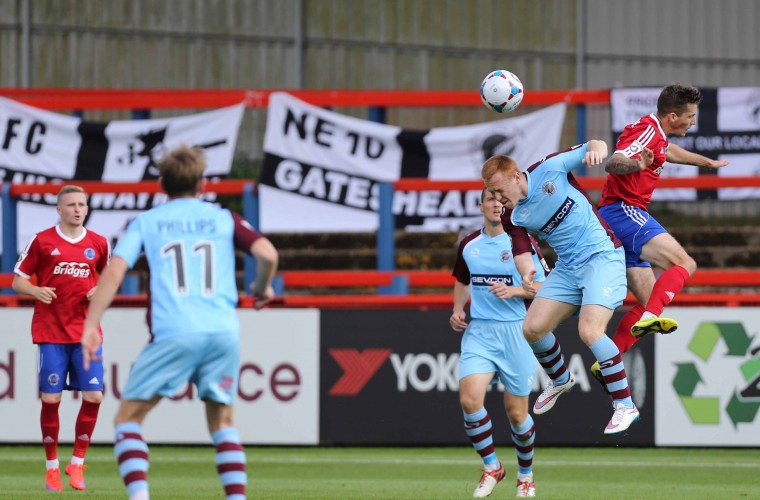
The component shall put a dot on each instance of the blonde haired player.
(66, 259)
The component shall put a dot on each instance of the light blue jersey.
(490, 259)
(558, 212)
(189, 247)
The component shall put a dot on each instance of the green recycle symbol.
(744, 404)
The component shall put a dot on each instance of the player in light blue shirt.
(493, 345)
(190, 248)
(589, 274)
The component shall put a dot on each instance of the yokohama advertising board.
(392, 378)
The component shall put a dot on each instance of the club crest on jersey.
(53, 379)
(549, 188)
(524, 212)
(505, 256)
(89, 253)
(635, 147)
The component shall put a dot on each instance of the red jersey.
(71, 267)
(636, 188)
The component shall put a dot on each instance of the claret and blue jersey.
(482, 259)
(558, 211)
(190, 248)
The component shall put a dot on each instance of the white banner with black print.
(40, 146)
(322, 169)
(728, 128)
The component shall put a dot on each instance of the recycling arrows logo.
(745, 401)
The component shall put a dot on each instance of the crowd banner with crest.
(728, 128)
(322, 169)
(41, 146)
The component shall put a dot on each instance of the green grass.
(413, 473)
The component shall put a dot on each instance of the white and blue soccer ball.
(501, 91)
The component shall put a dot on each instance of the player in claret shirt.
(67, 260)
(634, 169)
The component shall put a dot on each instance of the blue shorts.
(211, 362)
(499, 347)
(57, 361)
(634, 227)
(600, 280)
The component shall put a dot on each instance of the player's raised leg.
(666, 253)
(544, 314)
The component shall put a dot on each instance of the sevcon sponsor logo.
(558, 216)
(744, 399)
(487, 279)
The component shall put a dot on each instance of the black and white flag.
(322, 169)
(728, 128)
(40, 146)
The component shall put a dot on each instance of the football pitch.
(408, 473)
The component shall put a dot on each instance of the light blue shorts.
(498, 347)
(210, 362)
(601, 281)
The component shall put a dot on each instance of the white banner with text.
(41, 146)
(322, 169)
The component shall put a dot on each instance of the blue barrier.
(251, 214)
(10, 236)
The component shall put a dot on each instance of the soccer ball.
(501, 91)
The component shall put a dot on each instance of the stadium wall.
(380, 44)
(389, 377)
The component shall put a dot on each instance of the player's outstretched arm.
(677, 154)
(44, 294)
(267, 259)
(108, 284)
(596, 152)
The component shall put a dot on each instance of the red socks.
(50, 426)
(665, 288)
(623, 338)
(85, 425)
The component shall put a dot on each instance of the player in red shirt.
(67, 260)
(634, 169)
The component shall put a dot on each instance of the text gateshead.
(363, 193)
